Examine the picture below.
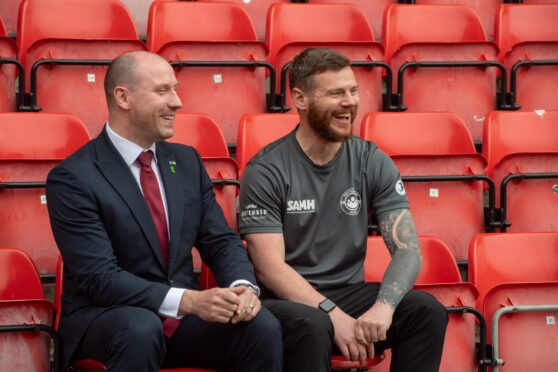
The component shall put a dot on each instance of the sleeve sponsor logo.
(399, 188)
(252, 212)
(351, 202)
(301, 206)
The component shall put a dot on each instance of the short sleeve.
(385, 184)
(260, 202)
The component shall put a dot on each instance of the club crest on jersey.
(351, 202)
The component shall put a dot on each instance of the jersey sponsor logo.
(301, 206)
(252, 212)
(351, 202)
(399, 188)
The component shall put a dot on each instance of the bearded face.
(323, 122)
(333, 105)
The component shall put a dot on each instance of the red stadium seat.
(218, 60)
(25, 316)
(8, 71)
(521, 149)
(201, 132)
(91, 33)
(518, 273)
(497, 258)
(486, 10)
(256, 9)
(443, 61)
(8, 12)
(294, 27)
(257, 131)
(31, 144)
(440, 277)
(443, 175)
(438, 263)
(374, 10)
(523, 326)
(528, 39)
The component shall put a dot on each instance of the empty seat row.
(439, 56)
(257, 10)
(446, 181)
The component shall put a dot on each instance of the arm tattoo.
(400, 235)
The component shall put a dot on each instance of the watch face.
(327, 305)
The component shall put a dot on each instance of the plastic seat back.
(8, 12)
(524, 339)
(257, 131)
(374, 10)
(201, 132)
(292, 28)
(93, 32)
(256, 10)
(436, 133)
(486, 10)
(438, 263)
(8, 72)
(233, 81)
(445, 154)
(496, 259)
(440, 277)
(521, 145)
(22, 303)
(31, 144)
(449, 34)
(527, 36)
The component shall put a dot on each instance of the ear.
(122, 97)
(300, 100)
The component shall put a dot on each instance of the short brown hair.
(313, 61)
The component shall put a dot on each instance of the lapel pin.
(172, 163)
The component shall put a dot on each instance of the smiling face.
(153, 101)
(332, 104)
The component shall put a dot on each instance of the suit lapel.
(115, 170)
(172, 182)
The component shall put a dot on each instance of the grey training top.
(322, 211)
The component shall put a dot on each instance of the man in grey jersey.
(304, 206)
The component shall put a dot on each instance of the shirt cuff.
(169, 307)
(248, 284)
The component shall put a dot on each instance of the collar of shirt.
(126, 148)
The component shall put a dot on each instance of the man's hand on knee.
(344, 336)
(372, 326)
(213, 305)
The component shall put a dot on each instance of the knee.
(142, 332)
(265, 331)
(429, 310)
(312, 326)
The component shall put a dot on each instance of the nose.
(350, 99)
(175, 101)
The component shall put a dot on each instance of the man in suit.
(126, 209)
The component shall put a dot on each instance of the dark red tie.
(152, 195)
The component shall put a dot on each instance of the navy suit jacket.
(107, 237)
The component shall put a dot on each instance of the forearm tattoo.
(400, 235)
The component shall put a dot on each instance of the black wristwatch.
(327, 305)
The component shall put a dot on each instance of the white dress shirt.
(130, 152)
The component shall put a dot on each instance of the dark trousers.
(416, 335)
(131, 339)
